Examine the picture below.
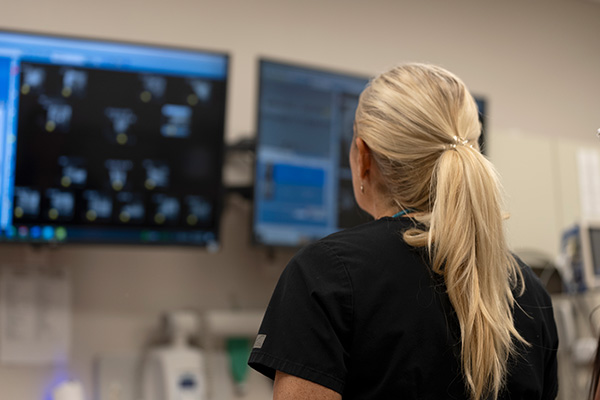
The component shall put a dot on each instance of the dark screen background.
(194, 162)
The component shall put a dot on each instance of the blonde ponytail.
(422, 127)
(468, 249)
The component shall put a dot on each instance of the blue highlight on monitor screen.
(111, 55)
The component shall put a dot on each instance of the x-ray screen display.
(109, 142)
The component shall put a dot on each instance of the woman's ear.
(364, 158)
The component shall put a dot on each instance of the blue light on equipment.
(48, 233)
(35, 232)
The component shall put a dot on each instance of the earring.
(362, 188)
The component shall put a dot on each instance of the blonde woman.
(425, 301)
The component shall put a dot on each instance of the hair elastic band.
(458, 141)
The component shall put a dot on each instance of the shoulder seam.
(338, 260)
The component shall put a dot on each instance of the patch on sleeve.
(258, 343)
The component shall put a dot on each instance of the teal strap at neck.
(403, 212)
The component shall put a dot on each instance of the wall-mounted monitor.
(107, 142)
(303, 184)
(589, 236)
(482, 107)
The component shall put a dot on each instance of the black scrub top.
(360, 312)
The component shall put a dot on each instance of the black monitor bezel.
(221, 190)
(293, 64)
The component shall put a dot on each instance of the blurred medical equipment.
(175, 371)
(237, 331)
(238, 349)
(70, 390)
(579, 268)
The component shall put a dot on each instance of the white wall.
(536, 62)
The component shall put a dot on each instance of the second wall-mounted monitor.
(303, 185)
(589, 232)
(105, 142)
(482, 107)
